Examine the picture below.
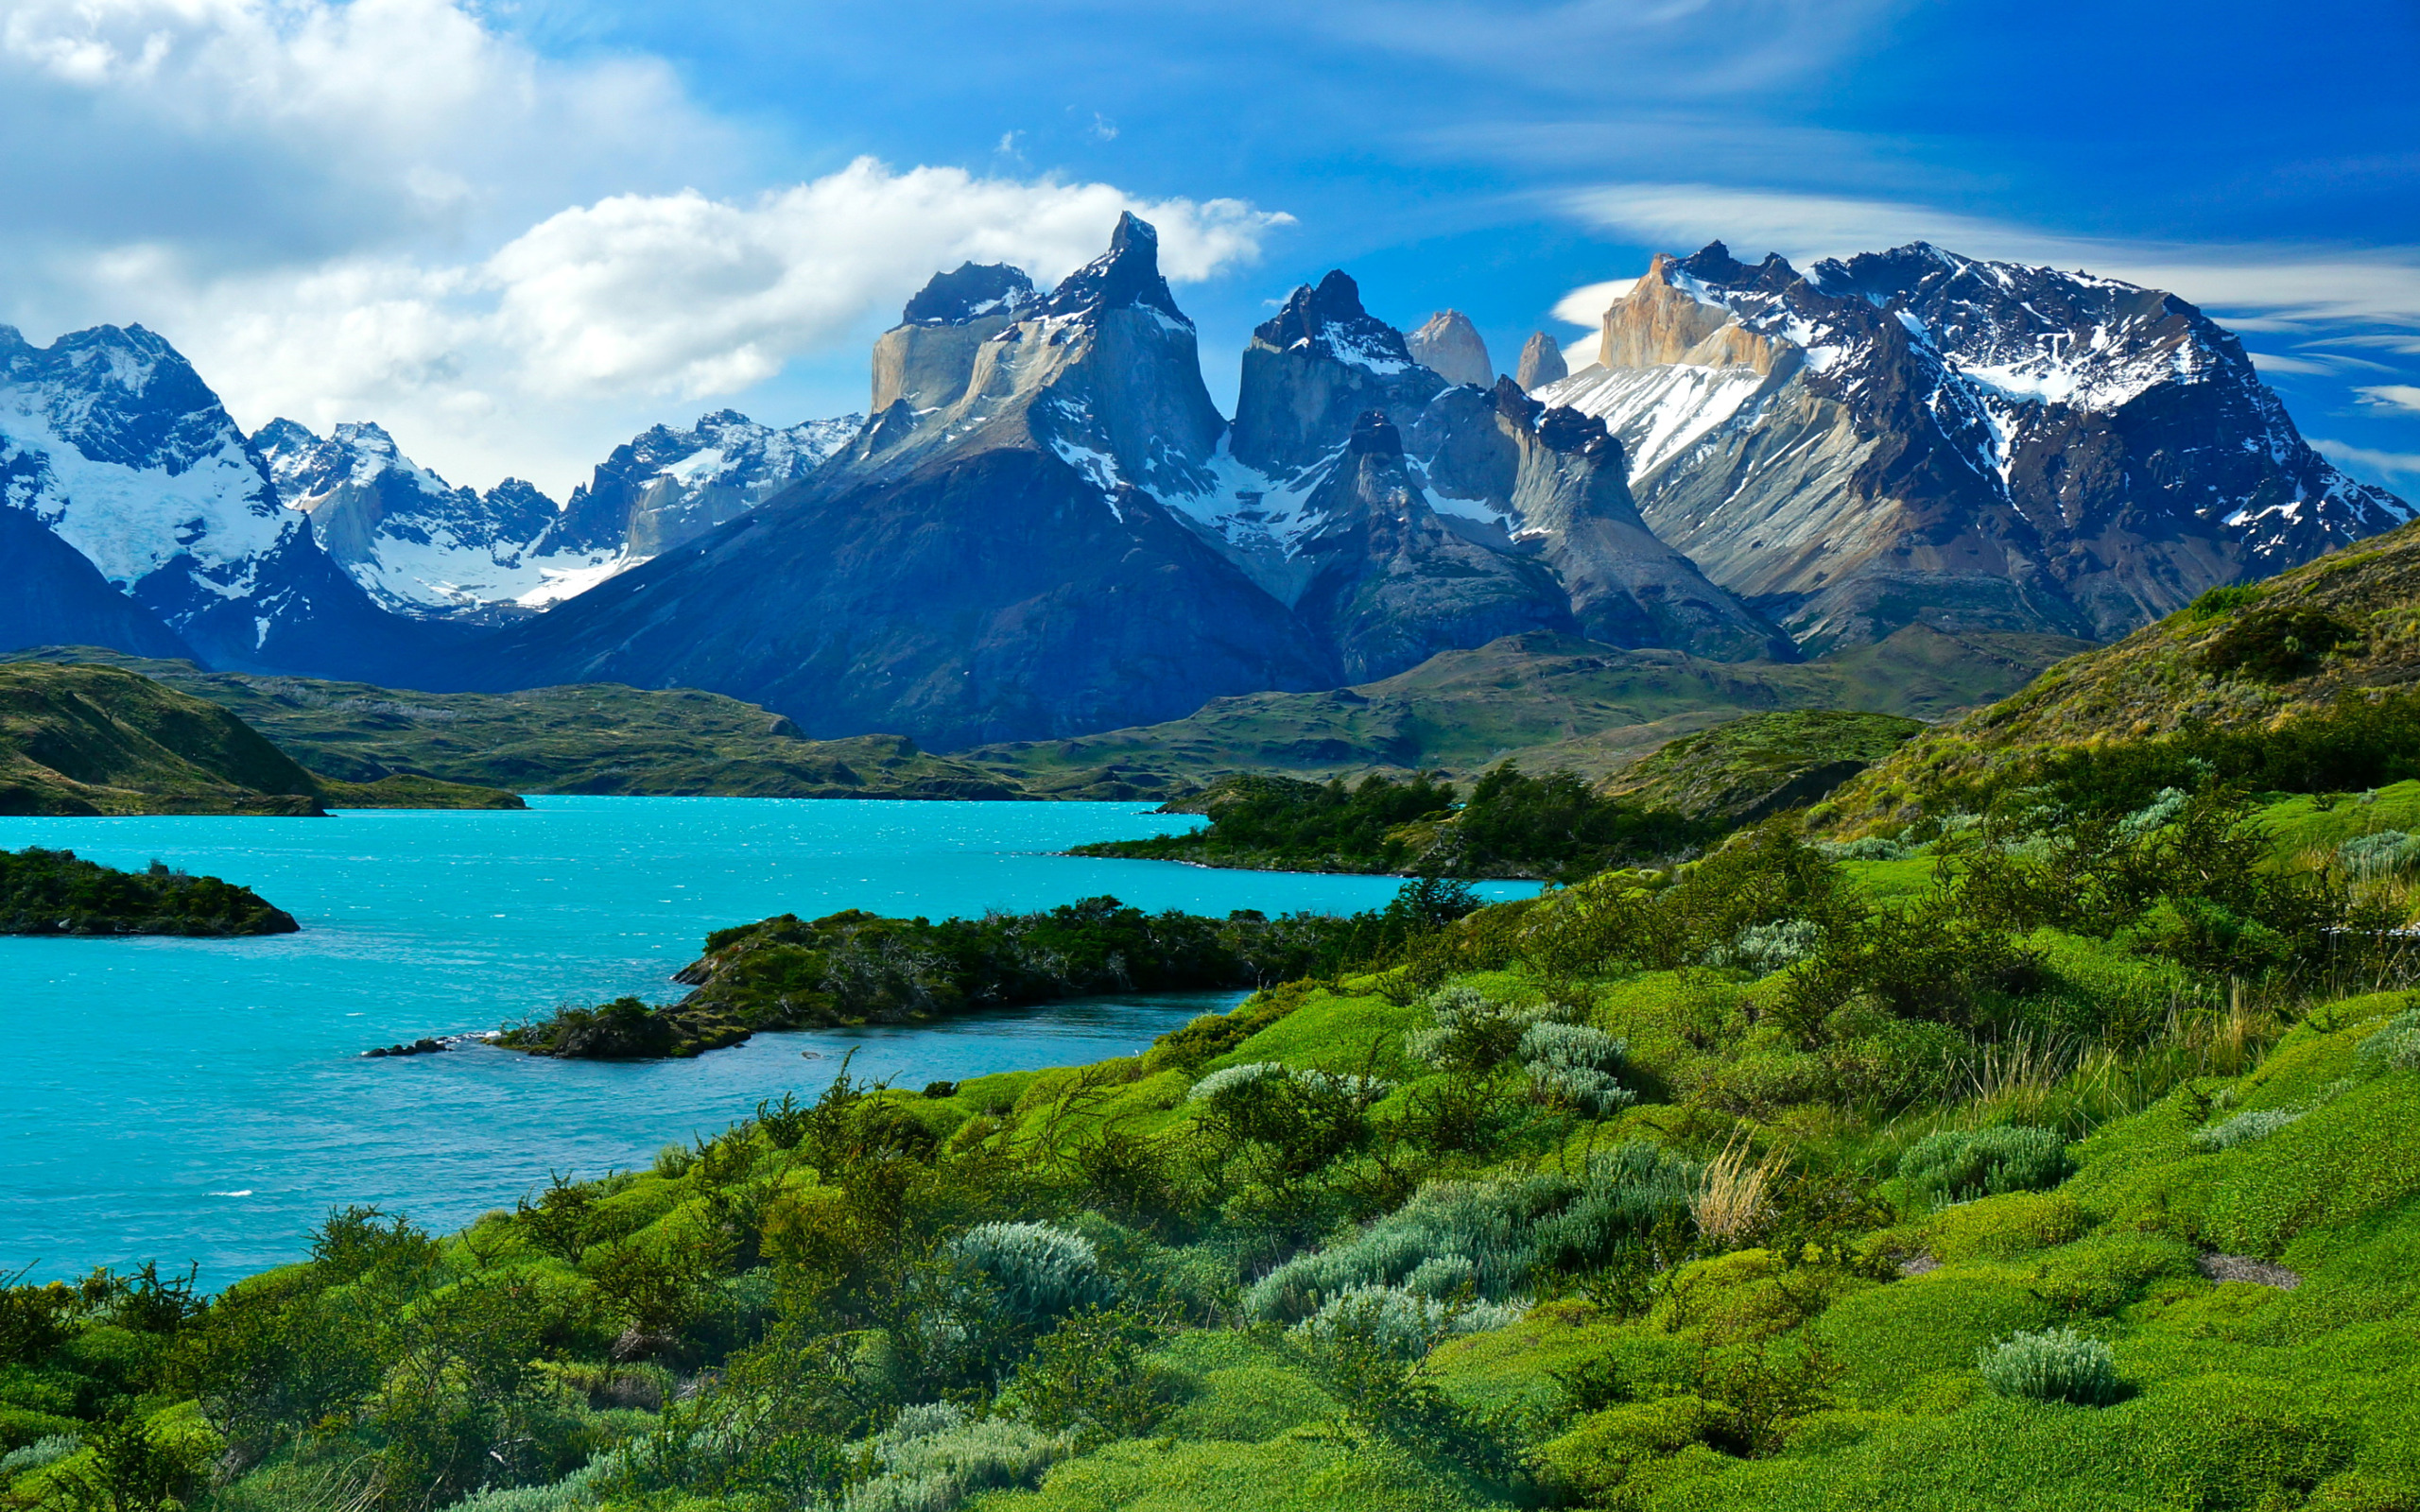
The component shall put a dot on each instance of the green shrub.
(1039, 1272)
(2384, 854)
(934, 1456)
(1401, 1322)
(2393, 1045)
(1961, 1165)
(2056, 1364)
(2277, 645)
(1471, 1032)
(34, 1456)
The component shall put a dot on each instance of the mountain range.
(1044, 526)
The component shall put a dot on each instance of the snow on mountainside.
(423, 547)
(1915, 435)
(668, 486)
(114, 443)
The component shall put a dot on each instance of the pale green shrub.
(2386, 854)
(572, 1490)
(1404, 1323)
(1494, 1236)
(1577, 1064)
(1871, 848)
(2164, 807)
(933, 1458)
(1957, 1165)
(2056, 1364)
(1039, 1272)
(2245, 1128)
(1470, 1031)
(40, 1455)
(2395, 1045)
(1761, 949)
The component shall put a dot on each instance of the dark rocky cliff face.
(1314, 369)
(1395, 584)
(50, 595)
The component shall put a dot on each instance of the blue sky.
(515, 234)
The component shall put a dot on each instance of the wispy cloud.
(2367, 461)
(2394, 396)
(2288, 287)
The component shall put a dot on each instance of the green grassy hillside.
(2303, 650)
(1546, 702)
(1996, 1173)
(81, 740)
(1747, 769)
(589, 738)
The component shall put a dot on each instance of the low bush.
(1577, 1065)
(1961, 1165)
(1039, 1272)
(2244, 1129)
(2055, 1364)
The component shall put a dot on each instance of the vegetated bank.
(600, 738)
(1511, 825)
(856, 967)
(90, 740)
(56, 892)
(2000, 1172)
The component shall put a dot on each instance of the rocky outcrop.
(1395, 584)
(1541, 362)
(1626, 588)
(1312, 370)
(928, 358)
(1916, 438)
(1001, 567)
(1447, 343)
(668, 486)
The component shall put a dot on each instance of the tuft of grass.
(1735, 1195)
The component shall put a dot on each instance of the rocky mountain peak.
(1127, 274)
(1450, 346)
(1373, 435)
(1542, 362)
(973, 291)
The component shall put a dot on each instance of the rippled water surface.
(206, 1101)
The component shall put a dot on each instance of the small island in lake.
(855, 967)
(56, 892)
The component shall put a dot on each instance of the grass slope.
(1544, 701)
(1745, 771)
(84, 740)
(586, 738)
(2253, 658)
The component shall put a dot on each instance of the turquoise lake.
(206, 1102)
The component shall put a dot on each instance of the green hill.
(589, 738)
(1544, 701)
(1747, 769)
(2305, 682)
(1773, 1182)
(105, 740)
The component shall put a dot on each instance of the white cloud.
(2394, 396)
(2278, 362)
(1586, 305)
(539, 357)
(2290, 286)
(2365, 460)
